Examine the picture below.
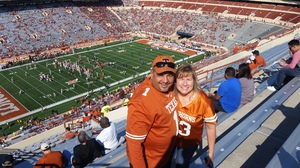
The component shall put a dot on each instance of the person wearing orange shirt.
(194, 110)
(244, 47)
(236, 48)
(260, 61)
(69, 134)
(50, 158)
(152, 124)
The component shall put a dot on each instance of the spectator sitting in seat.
(290, 68)
(260, 61)
(8, 161)
(86, 151)
(228, 96)
(122, 93)
(252, 65)
(50, 158)
(247, 83)
(86, 119)
(126, 101)
(107, 136)
(69, 134)
(78, 123)
(105, 109)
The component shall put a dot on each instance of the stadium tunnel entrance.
(184, 35)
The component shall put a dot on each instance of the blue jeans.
(283, 73)
(184, 156)
(68, 158)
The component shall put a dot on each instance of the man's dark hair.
(230, 72)
(8, 161)
(293, 42)
(68, 128)
(104, 122)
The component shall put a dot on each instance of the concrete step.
(259, 148)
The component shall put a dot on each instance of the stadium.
(61, 60)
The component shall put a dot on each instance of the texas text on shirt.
(191, 119)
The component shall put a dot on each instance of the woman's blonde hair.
(183, 71)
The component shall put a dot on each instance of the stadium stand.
(251, 119)
(237, 135)
(287, 155)
(30, 154)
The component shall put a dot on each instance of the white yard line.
(25, 92)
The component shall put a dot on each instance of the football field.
(46, 82)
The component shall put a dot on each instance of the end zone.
(9, 106)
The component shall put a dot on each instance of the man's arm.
(76, 162)
(294, 61)
(136, 154)
(96, 131)
(214, 96)
(139, 121)
(99, 149)
(39, 162)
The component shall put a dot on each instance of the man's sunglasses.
(162, 64)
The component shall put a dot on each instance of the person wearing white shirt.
(108, 135)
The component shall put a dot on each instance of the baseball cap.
(163, 64)
(255, 52)
(45, 146)
(8, 161)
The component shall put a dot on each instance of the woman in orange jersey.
(194, 109)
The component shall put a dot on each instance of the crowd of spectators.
(214, 30)
(34, 29)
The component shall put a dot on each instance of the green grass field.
(39, 93)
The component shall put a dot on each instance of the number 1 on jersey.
(146, 91)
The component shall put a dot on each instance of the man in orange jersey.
(260, 61)
(50, 158)
(152, 124)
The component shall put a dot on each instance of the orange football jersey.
(152, 126)
(260, 61)
(191, 120)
